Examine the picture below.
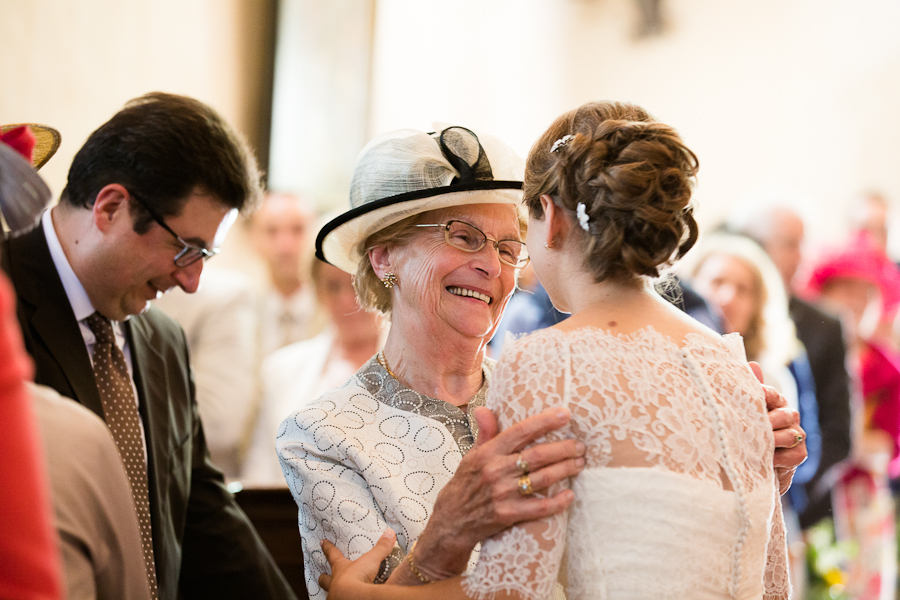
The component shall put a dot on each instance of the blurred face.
(132, 269)
(784, 245)
(335, 292)
(856, 298)
(280, 231)
(452, 289)
(873, 218)
(730, 284)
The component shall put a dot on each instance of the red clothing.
(880, 379)
(29, 559)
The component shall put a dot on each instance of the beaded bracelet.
(412, 565)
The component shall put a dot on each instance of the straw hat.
(47, 141)
(407, 172)
(23, 194)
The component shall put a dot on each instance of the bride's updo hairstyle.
(625, 180)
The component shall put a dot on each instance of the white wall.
(790, 93)
(796, 94)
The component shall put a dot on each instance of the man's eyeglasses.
(189, 253)
(468, 238)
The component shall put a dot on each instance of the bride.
(678, 498)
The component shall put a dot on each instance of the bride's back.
(678, 495)
(678, 498)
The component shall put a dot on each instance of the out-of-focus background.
(796, 96)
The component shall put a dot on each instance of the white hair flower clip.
(583, 217)
(561, 143)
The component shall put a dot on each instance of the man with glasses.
(149, 196)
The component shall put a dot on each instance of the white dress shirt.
(82, 305)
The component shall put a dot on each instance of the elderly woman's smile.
(460, 291)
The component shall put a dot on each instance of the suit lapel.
(150, 380)
(50, 317)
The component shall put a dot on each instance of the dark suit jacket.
(823, 337)
(205, 546)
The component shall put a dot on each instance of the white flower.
(583, 217)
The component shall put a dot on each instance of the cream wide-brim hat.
(407, 172)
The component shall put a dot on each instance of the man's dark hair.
(161, 148)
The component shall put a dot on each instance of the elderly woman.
(435, 239)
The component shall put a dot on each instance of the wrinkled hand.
(789, 453)
(482, 498)
(347, 575)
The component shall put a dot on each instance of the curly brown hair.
(633, 176)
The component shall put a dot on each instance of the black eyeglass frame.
(189, 253)
(495, 243)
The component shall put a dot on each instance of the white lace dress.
(678, 499)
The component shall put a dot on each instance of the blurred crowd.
(256, 350)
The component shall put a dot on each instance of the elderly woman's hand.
(482, 498)
(790, 439)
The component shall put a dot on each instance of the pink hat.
(860, 258)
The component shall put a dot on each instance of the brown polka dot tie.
(120, 409)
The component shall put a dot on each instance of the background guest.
(780, 231)
(280, 232)
(29, 557)
(859, 281)
(99, 535)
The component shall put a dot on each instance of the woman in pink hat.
(860, 283)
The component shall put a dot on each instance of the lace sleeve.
(526, 558)
(777, 582)
(334, 498)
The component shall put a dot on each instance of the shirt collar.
(76, 293)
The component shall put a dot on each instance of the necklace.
(384, 363)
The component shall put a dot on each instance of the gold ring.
(797, 439)
(522, 464)
(524, 485)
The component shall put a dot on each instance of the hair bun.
(633, 176)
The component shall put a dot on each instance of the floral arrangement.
(825, 560)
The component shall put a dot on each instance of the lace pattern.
(370, 455)
(678, 440)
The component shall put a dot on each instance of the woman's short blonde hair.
(370, 290)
